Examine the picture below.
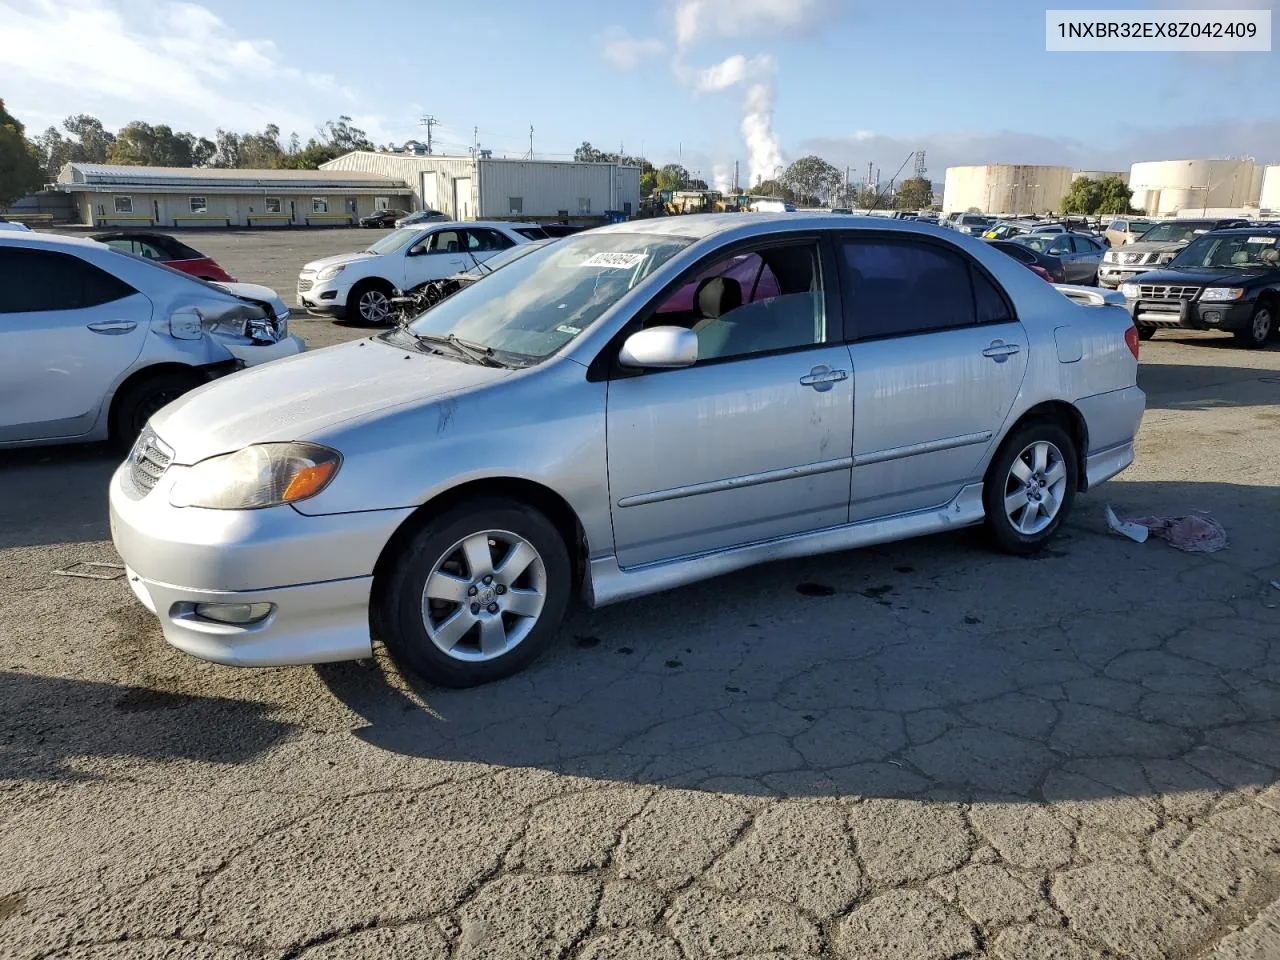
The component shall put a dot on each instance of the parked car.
(1043, 265)
(1124, 230)
(163, 248)
(973, 224)
(1158, 246)
(560, 229)
(360, 285)
(1222, 280)
(93, 341)
(1006, 230)
(384, 218)
(772, 206)
(1080, 255)
(421, 217)
(425, 296)
(13, 225)
(448, 486)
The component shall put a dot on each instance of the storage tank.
(1007, 188)
(1163, 187)
(1269, 198)
(1101, 175)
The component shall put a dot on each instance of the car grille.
(1153, 291)
(305, 285)
(148, 460)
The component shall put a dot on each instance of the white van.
(772, 206)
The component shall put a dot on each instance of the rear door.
(1064, 250)
(439, 254)
(938, 359)
(68, 330)
(1089, 258)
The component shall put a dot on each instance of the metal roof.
(116, 175)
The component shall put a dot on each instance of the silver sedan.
(621, 412)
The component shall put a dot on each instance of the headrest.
(717, 296)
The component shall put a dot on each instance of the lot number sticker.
(615, 261)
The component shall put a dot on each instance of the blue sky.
(705, 81)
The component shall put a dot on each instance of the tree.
(141, 144)
(672, 177)
(1108, 195)
(774, 188)
(93, 140)
(20, 169)
(812, 179)
(915, 194)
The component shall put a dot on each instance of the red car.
(167, 250)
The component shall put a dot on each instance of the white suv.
(360, 285)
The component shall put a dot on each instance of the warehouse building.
(1165, 187)
(108, 195)
(495, 188)
(1008, 188)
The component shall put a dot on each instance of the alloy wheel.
(1035, 487)
(1261, 325)
(375, 306)
(484, 596)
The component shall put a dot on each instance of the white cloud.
(732, 71)
(173, 62)
(625, 52)
(700, 19)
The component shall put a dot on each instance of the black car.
(382, 218)
(1046, 265)
(1225, 280)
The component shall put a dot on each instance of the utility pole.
(531, 141)
(430, 123)
(735, 177)
(846, 199)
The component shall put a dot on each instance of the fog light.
(329, 295)
(1210, 316)
(239, 613)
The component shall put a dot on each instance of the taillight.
(1131, 338)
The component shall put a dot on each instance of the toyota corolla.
(621, 412)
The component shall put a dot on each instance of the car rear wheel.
(140, 400)
(370, 303)
(1260, 329)
(476, 594)
(1030, 487)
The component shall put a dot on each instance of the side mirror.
(660, 348)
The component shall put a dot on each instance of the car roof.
(1270, 231)
(51, 240)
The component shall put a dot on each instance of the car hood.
(256, 293)
(1201, 276)
(315, 266)
(302, 397)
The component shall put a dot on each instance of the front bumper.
(1114, 274)
(323, 298)
(251, 355)
(315, 571)
(1191, 314)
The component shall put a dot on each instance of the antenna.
(531, 141)
(430, 123)
(920, 168)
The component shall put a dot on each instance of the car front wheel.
(370, 303)
(136, 404)
(476, 594)
(1030, 487)
(1260, 329)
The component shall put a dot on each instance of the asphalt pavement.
(920, 751)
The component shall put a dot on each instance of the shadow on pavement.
(52, 495)
(1168, 384)
(49, 722)
(932, 668)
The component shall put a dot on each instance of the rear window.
(532, 233)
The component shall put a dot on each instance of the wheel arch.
(551, 504)
(138, 376)
(1065, 415)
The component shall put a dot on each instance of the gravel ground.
(918, 751)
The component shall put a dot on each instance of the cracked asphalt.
(921, 751)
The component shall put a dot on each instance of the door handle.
(822, 377)
(999, 351)
(112, 327)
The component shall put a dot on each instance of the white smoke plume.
(756, 75)
(721, 178)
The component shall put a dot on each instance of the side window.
(149, 250)
(487, 240)
(990, 305)
(445, 241)
(901, 287)
(1118, 226)
(751, 303)
(1084, 245)
(35, 281)
(1060, 246)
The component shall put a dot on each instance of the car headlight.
(1111, 256)
(328, 273)
(262, 475)
(1130, 291)
(1222, 293)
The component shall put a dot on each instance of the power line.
(430, 123)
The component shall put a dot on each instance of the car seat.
(1271, 257)
(715, 297)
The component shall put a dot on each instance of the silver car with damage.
(621, 412)
(93, 341)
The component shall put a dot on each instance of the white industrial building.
(1269, 196)
(1006, 188)
(115, 195)
(1165, 187)
(494, 188)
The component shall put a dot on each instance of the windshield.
(393, 241)
(1240, 251)
(1176, 232)
(542, 301)
(510, 255)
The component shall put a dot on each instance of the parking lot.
(923, 750)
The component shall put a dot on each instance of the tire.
(439, 631)
(370, 302)
(1261, 328)
(135, 405)
(1012, 528)
(1145, 332)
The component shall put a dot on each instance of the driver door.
(752, 442)
(439, 254)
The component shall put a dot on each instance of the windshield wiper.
(476, 352)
